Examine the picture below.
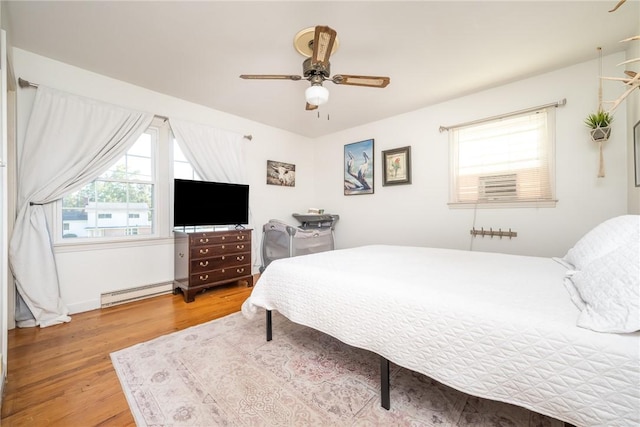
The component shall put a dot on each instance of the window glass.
(507, 160)
(120, 202)
(182, 169)
(132, 199)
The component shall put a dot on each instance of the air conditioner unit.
(498, 187)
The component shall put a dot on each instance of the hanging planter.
(600, 134)
(599, 121)
(600, 124)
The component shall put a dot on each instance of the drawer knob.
(205, 277)
(223, 237)
(241, 237)
(240, 258)
(239, 246)
(240, 270)
(222, 271)
(204, 263)
(204, 251)
(222, 247)
(204, 240)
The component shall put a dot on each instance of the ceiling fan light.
(316, 95)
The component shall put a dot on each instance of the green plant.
(601, 119)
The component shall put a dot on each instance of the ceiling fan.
(318, 43)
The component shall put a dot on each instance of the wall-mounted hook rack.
(491, 233)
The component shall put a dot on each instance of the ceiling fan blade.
(323, 40)
(369, 81)
(310, 107)
(269, 77)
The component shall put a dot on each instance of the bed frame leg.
(269, 326)
(385, 399)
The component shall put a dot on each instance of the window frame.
(162, 172)
(454, 203)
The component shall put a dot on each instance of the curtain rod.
(560, 103)
(26, 83)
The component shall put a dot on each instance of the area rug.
(224, 373)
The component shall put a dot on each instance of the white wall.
(85, 273)
(418, 214)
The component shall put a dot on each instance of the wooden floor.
(62, 375)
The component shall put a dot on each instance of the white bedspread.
(492, 325)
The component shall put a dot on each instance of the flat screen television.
(205, 203)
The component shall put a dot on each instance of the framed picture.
(636, 151)
(397, 166)
(280, 173)
(358, 168)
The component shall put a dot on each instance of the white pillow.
(610, 289)
(603, 239)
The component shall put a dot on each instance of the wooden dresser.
(211, 258)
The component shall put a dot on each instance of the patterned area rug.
(224, 373)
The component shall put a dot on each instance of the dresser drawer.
(212, 238)
(220, 275)
(224, 249)
(217, 262)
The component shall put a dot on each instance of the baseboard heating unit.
(123, 296)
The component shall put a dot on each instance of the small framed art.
(281, 173)
(358, 168)
(397, 166)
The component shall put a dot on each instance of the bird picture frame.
(396, 165)
(359, 168)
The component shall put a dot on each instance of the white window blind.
(504, 161)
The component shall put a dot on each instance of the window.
(120, 202)
(182, 169)
(130, 201)
(504, 162)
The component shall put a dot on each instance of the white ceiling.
(433, 51)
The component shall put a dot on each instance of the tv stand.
(212, 258)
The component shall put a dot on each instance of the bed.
(518, 329)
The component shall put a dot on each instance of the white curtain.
(216, 155)
(70, 140)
